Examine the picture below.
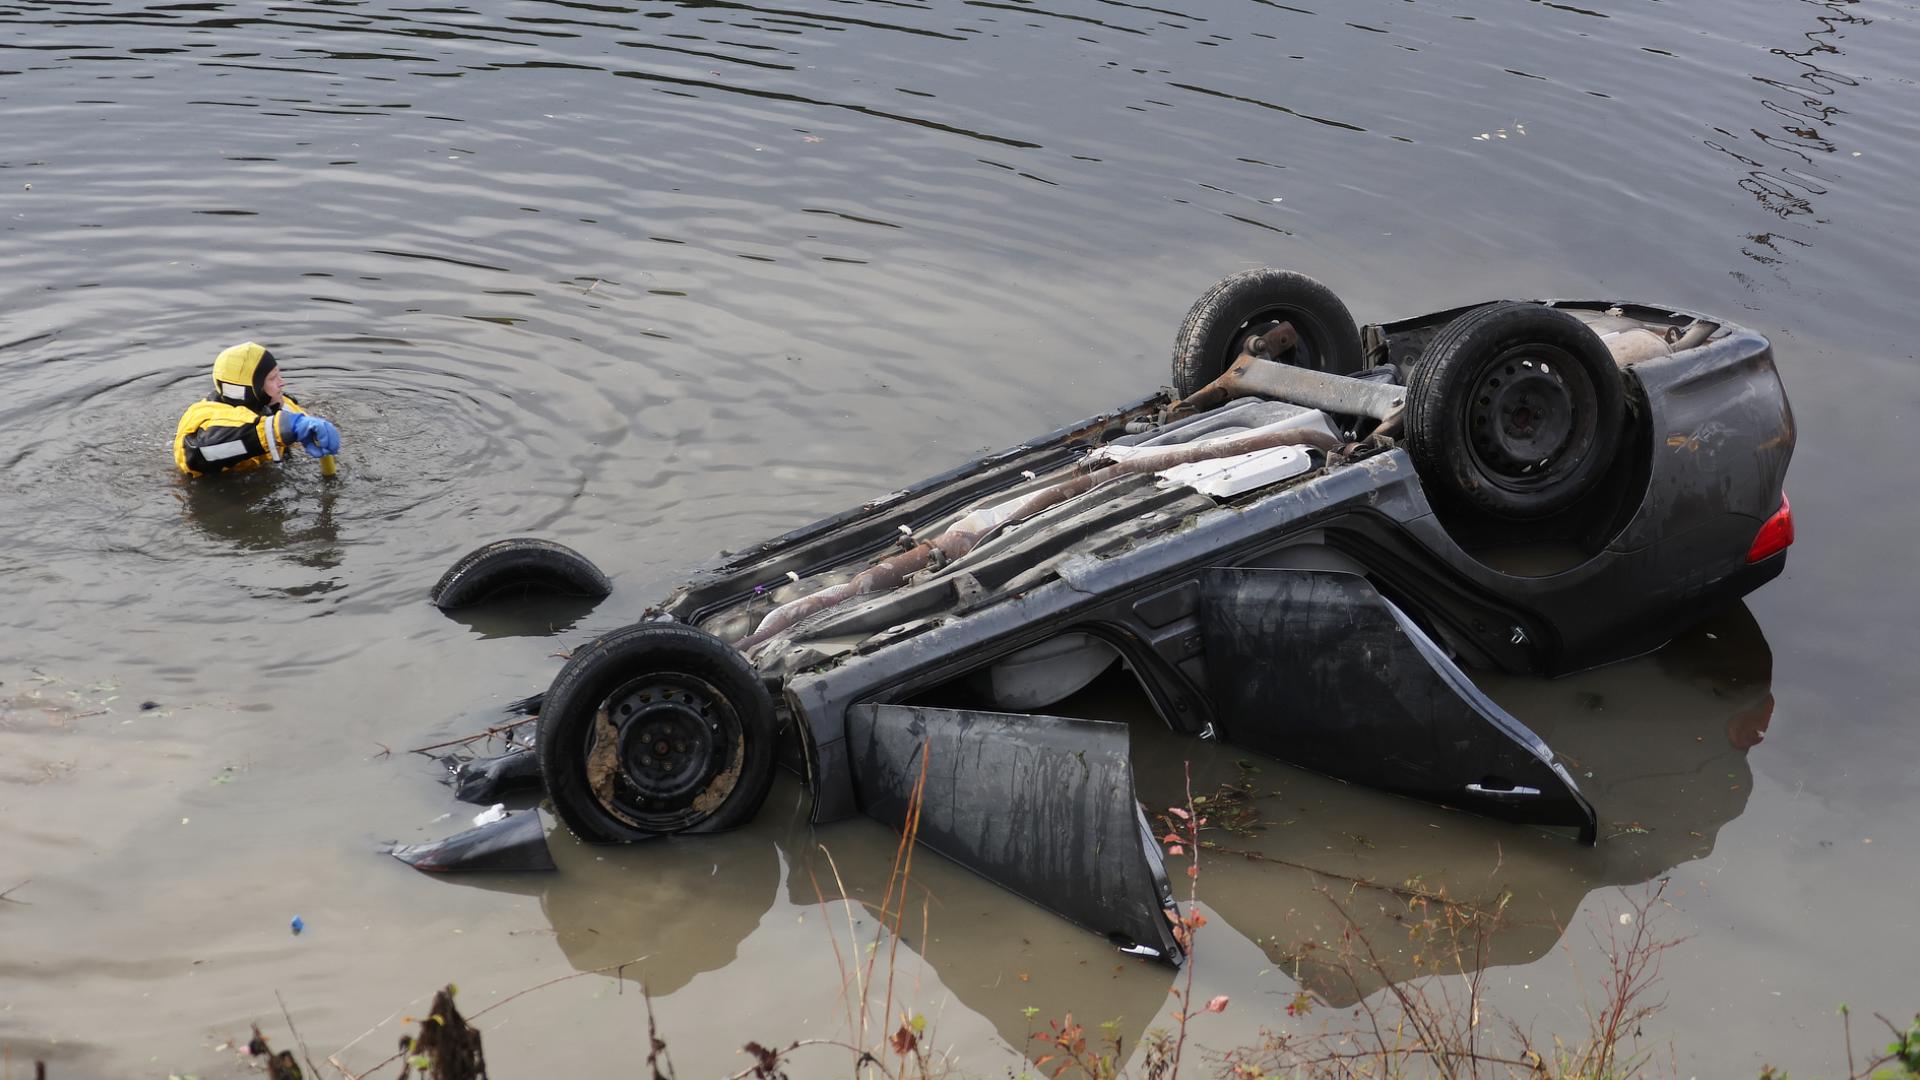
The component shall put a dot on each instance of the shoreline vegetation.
(1438, 1023)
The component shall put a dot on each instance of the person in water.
(249, 419)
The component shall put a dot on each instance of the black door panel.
(1317, 669)
(1041, 805)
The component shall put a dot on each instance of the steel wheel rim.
(1529, 417)
(1307, 351)
(674, 739)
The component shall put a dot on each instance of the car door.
(1318, 669)
(1041, 805)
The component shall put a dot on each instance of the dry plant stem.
(892, 905)
(304, 1054)
(1846, 1032)
(1363, 883)
(853, 941)
(1899, 1039)
(865, 1058)
(496, 730)
(1633, 968)
(390, 1059)
(983, 522)
(1444, 1030)
(826, 920)
(656, 1046)
(333, 1058)
(1473, 997)
(1412, 1009)
(1193, 909)
(903, 863)
(615, 968)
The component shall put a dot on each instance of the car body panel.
(1040, 805)
(1711, 436)
(1323, 617)
(1316, 668)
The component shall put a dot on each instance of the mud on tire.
(656, 728)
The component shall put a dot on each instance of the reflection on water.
(1659, 744)
(260, 511)
(660, 278)
(525, 613)
(1803, 94)
(663, 912)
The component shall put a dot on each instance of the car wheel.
(519, 563)
(656, 728)
(1515, 409)
(1252, 302)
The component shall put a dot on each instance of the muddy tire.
(519, 564)
(1515, 410)
(652, 729)
(1251, 302)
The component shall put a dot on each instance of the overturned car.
(1295, 550)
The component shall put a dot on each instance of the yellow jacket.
(219, 436)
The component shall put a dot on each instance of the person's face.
(274, 385)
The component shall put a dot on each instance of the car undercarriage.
(1299, 549)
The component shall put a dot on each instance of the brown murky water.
(661, 279)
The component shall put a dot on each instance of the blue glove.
(319, 436)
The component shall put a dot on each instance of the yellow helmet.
(240, 375)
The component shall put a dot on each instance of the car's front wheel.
(656, 728)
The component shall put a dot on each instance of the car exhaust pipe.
(984, 521)
(1251, 376)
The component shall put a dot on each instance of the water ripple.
(667, 277)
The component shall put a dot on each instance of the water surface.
(659, 279)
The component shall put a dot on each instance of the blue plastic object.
(298, 924)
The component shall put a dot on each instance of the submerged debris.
(513, 841)
(281, 1065)
(446, 1048)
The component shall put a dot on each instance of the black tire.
(522, 563)
(1252, 301)
(1515, 410)
(688, 730)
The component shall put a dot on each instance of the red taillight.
(1776, 535)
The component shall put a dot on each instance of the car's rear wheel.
(1515, 409)
(656, 728)
(1253, 302)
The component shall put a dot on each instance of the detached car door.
(1317, 669)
